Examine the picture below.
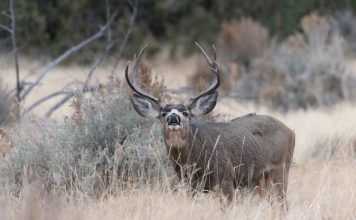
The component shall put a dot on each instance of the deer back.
(271, 134)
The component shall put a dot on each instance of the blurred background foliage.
(51, 26)
(284, 54)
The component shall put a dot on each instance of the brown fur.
(247, 152)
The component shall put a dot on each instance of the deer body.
(239, 153)
(250, 151)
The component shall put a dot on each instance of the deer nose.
(173, 118)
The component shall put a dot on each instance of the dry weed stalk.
(5, 144)
(149, 83)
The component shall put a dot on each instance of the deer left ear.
(145, 107)
(204, 104)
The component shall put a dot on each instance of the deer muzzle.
(173, 119)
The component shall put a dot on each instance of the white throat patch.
(174, 127)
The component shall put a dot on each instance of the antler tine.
(214, 49)
(204, 53)
(134, 72)
(135, 85)
(215, 69)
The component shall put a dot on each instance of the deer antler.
(135, 86)
(212, 64)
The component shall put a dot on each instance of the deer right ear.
(204, 104)
(145, 107)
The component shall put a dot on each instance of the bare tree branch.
(5, 28)
(40, 101)
(95, 65)
(126, 36)
(59, 104)
(108, 14)
(66, 54)
(14, 46)
(12, 31)
(84, 89)
(68, 96)
(22, 85)
(98, 61)
(6, 14)
(50, 96)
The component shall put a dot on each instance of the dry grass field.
(321, 185)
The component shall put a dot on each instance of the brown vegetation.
(307, 70)
(242, 41)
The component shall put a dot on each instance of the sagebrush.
(103, 146)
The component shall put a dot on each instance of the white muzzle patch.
(174, 126)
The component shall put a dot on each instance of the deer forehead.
(170, 109)
(175, 111)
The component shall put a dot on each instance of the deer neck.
(177, 143)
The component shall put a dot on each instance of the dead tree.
(12, 31)
(85, 87)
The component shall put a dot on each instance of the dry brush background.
(95, 158)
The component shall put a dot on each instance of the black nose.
(173, 119)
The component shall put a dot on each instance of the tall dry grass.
(320, 184)
(319, 188)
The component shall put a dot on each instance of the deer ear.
(204, 104)
(145, 107)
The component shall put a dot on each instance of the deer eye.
(185, 114)
(164, 114)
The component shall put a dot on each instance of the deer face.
(174, 117)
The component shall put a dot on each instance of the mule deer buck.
(253, 151)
